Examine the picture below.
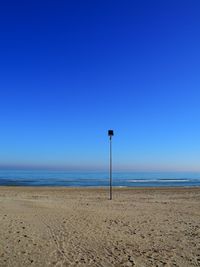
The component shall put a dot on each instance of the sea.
(98, 179)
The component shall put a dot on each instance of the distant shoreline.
(92, 188)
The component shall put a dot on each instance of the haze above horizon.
(71, 70)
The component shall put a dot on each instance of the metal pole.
(110, 167)
(110, 134)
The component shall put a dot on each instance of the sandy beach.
(81, 227)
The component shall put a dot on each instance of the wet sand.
(82, 227)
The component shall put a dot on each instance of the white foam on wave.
(175, 180)
(141, 181)
(162, 181)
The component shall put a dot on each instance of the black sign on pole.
(110, 134)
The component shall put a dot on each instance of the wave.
(158, 180)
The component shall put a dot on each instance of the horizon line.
(74, 168)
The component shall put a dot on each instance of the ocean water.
(85, 179)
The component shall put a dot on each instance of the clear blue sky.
(70, 70)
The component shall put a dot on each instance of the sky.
(71, 70)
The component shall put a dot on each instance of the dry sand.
(81, 227)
